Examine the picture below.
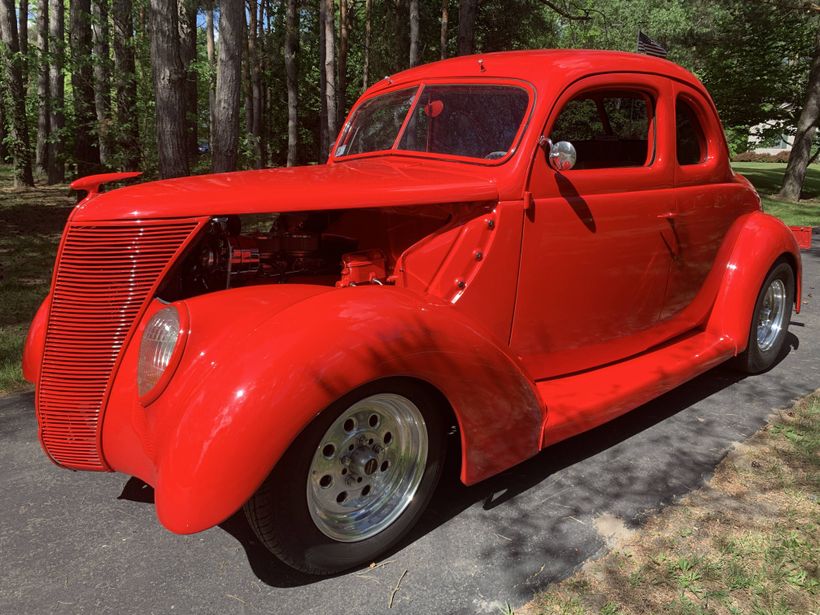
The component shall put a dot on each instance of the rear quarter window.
(690, 139)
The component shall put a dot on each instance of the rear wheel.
(770, 320)
(355, 482)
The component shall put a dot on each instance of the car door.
(597, 242)
(706, 202)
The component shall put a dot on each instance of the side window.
(608, 129)
(690, 142)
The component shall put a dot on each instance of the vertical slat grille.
(104, 278)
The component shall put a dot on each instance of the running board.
(579, 402)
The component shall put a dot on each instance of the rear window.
(474, 121)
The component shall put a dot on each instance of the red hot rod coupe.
(519, 245)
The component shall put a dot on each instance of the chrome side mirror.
(561, 155)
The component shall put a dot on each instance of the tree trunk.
(4, 150)
(86, 152)
(806, 128)
(125, 85)
(228, 81)
(43, 90)
(13, 69)
(330, 72)
(445, 16)
(22, 31)
(322, 85)
(102, 79)
(209, 46)
(255, 85)
(187, 54)
(260, 92)
(368, 11)
(467, 10)
(56, 84)
(169, 88)
(344, 28)
(291, 69)
(414, 32)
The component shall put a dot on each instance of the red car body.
(538, 303)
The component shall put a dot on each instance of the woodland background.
(174, 87)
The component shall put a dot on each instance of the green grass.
(748, 542)
(31, 221)
(767, 178)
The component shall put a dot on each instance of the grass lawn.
(31, 221)
(767, 177)
(748, 542)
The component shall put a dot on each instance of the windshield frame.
(525, 86)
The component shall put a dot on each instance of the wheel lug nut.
(377, 449)
(345, 460)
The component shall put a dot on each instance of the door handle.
(669, 215)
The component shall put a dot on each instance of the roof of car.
(540, 66)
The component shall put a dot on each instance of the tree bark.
(169, 88)
(330, 72)
(56, 85)
(467, 10)
(344, 28)
(228, 81)
(806, 128)
(322, 85)
(245, 85)
(187, 54)
(102, 79)
(13, 69)
(265, 69)
(43, 90)
(291, 70)
(125, 85)
(86, 151)
(255, 85)
(445, 17)
(209, 46)
(368, 11)
(414, 32)
(4, 150)
(22, 31)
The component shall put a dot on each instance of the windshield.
(474, 121)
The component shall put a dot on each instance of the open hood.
(386, 181)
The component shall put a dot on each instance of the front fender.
(247, 386)
(759, 240)
(36, 342)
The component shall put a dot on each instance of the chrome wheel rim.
(367, 467)
(771, 316)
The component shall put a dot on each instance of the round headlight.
(160, 340)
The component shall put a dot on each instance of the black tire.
(278, 512)
(755, 359)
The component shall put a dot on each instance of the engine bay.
(331, 248)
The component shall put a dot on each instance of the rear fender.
(759, 241)
(239, 400)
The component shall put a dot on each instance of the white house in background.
(756, 141)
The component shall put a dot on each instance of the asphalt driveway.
(90, 543)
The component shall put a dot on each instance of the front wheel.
(770, 320)
(355, 482)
